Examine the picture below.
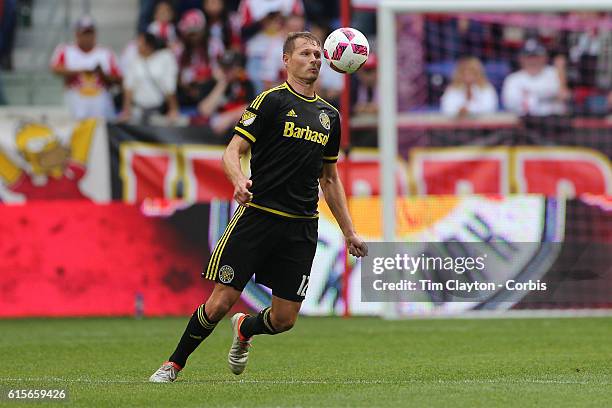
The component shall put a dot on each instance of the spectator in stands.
(589, 71)
(193, 58)
(149, 86)
(364, 92)
(253, 13)
(162, 25)
(223, 33)
(330, 83)
(8, 18)
(273, 70)
(470, 92)
(89, 71)
(537, 89)
(226, 96)
(262, 49)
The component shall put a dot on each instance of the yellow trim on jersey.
(257, 101)
(330, 105)
(247, 134)
(284, 214)
(211, 271)
(330, 157)
(314, 98)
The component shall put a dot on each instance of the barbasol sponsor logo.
(305, 133)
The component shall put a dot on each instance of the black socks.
(198, 328)
(259, 324)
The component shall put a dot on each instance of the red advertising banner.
(76, 258)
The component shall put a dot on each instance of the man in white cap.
(537, 89)
(88, 71)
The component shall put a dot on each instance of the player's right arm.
(237, 148)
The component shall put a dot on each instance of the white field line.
(307, 382)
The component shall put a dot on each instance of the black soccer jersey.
(291, 136)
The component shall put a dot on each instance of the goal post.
(390, 39)
(387, 51)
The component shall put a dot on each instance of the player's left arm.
(336, 200)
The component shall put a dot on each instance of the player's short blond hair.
(289, 44)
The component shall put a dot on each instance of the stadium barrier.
(77, 258)
(128, 189)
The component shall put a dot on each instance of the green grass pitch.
(322, 362)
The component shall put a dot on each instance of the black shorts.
(278, 250)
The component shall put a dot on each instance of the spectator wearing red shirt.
(89, 70)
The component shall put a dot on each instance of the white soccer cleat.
(166, 373)
(239, 353)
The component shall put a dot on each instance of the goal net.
(498, 116)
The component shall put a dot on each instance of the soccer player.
(294, 138)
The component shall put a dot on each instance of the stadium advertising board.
(171, 241)
(175, 162)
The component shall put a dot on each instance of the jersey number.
(303, 286)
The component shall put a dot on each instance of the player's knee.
(282, 323)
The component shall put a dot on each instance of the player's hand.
(356, 246)
(242, 193)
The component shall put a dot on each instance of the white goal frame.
(387, 72)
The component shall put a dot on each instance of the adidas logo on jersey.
(292, 114)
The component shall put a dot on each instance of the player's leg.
(200, 326)
(287, 273)
(203, 321)
(278, 318)
(230, 266)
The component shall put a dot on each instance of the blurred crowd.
(536, 65)
(206, 59)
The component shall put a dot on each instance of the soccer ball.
(346, 50)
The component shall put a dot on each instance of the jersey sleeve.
(257, 117)
(330, 153)
(58, 59)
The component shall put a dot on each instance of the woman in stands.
(470, 92)
(221, 31)
(193, 58)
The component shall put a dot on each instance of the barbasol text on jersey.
(305, 133)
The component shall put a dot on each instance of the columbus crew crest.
(226, 274)
(247, 118)
(324, 119)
